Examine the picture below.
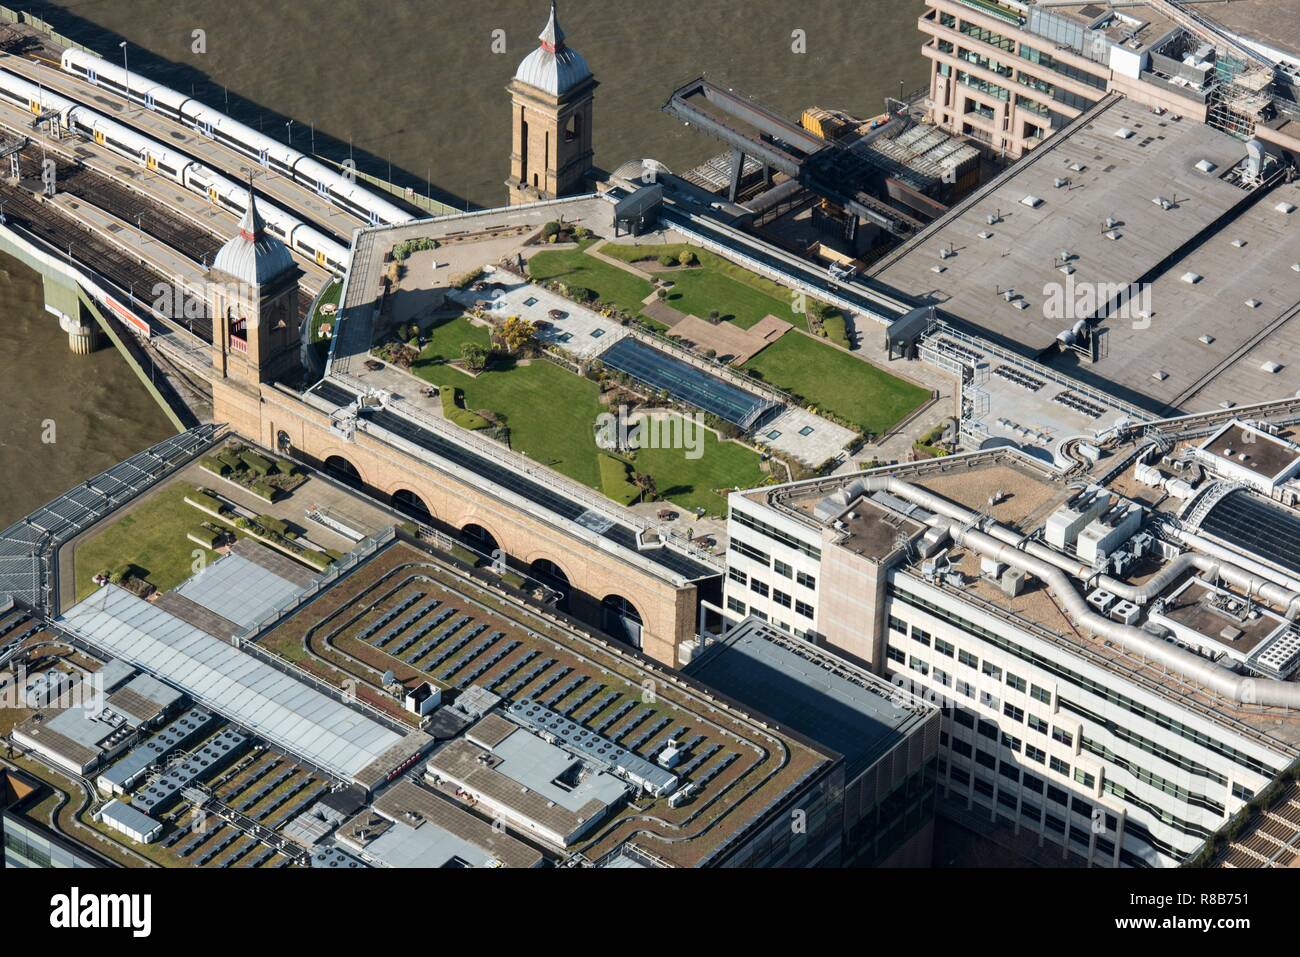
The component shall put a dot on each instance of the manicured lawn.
(151, 537)
(700, 290)
(551, 414)
(740, 296)
(331, 295)
(447, 337)
(573, 267)
(843, 384)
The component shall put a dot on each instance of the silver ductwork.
(1003, 545)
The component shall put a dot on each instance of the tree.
(474, 356)
(646, 483)
(686, 258)
(517, 334)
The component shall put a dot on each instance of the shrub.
(666, 260)
(452, 409)
(257, 464)
(230, 459)
(551, 229)
(205, 536)
(262, 490)
(614, 480)
(272, 524)
(466, 279)
(687, 258)
(213, 464)
(836, 329)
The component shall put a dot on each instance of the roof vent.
(1253, 303)
(1285, 208)
(1205, 166)
(1160, 375)
(1163, 203)
(985, 234)
(1060, 181)
(1192, 278)
(1111, 222)
(1124, 133)
(1207, 339)
(1271, 367)
(1239, 243)
(1033, 202)
(1077, 167)
(1113, 234)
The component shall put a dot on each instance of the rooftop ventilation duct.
(1051, 568)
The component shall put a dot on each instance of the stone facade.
(270, 415)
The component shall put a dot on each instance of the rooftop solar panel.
(686, 382)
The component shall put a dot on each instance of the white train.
(285, 160)
(193, 175)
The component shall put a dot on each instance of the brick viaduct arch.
(667, 612)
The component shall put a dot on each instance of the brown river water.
(414, 83)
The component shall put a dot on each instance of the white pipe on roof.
(1001, 545)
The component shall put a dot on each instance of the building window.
(966, 688)
(916, 664)
(1040, 694)
(1241, 792)
(922, 636)
(1037, 724)
(964, 718)
(1012, 712)
(803, 578)
(781, 598)
(757, 586)
(943, 677)
(803, 608)
(735, 605)
(1065, 737)
(992, 670)
(895, 654)
(1084, 778)
(1035, 754)
(1011, 742)
(1059, 766)
(1016, 682)
(781, 568)
(944, 648)
(749, 551)
(988, 700)
(967, 659)
(898, 625)
(736, 575)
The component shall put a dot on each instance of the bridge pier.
(63, 300)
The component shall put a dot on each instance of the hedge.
(257, 464)
(213, 464)
(451, 399)
(263, 490)
(613, 480)
(837, 330)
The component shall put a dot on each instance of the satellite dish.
(389, 677)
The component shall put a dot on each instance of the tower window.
(573, 128)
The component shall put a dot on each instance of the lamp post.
(289, 128)
(126, 87)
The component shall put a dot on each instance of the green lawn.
(739, 295)
(446, 339)
(151, 537)
(574, 267)
(331, 295)
(840, 383)
(699, 291)
(551, 414)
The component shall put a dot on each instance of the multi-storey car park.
(1115, 648)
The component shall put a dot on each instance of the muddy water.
(65, 417)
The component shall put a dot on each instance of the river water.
(421, 84)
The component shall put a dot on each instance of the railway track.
(152, 217)
(52, 225)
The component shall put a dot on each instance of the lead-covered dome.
(553, 67)
(254, 256)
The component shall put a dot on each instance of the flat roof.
(128, 817)
(1109, 176)
(276, 706)
(429, 831)
(810, 691)
(1252, 449)
(240, 589)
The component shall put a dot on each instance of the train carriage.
(268, 152)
